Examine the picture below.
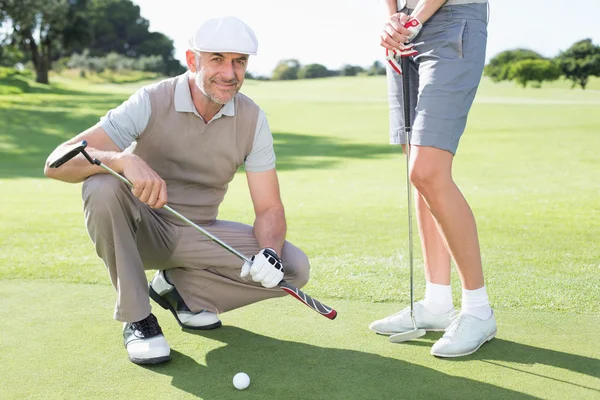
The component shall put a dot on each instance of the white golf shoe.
(465, 335)
(401, 321)
(167, 296)
(145, 342)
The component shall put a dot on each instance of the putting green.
(62, 343)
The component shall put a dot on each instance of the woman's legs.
(441, 204)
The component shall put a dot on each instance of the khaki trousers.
(130, 238)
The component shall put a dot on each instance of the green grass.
(71, 351)
(528, 165)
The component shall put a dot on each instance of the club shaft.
(407, 134)
(184, 219)
(289, 288)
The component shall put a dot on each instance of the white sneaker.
(145, 342)
(167, 296)
(401, 321)
(465, 336)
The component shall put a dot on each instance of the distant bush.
(13, 81)
(498, 69)
(377, 68)
(118, 62)
(312, 71)
(286, 70)
(115, 62)
(351, 70)
(9, 54)
(538, 71)
(150, 64)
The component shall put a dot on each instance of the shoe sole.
(149, 361)
(408, 330)
(490, 337)
(161, 302)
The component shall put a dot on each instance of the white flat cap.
(224, 35)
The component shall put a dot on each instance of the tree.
(311, 71)
(376, 69)
(77, 31)
(525, 71)
(10, 54)
(286, 70)
(117, 26)
(351, 70)
(157, 44)
(498, 69)
(38, 26)
(47, 30)
(580, 61)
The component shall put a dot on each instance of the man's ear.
(190, 58)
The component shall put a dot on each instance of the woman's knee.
(429, 172)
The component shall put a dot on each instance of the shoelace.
(405, 311)
(401, 312)
(148, 327)
(457, 318)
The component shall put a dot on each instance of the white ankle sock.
(438, 298)
(476, 303)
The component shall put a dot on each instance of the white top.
(413, 3)
(125, 124)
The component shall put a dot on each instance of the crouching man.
(182, 141)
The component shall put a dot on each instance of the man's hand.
(398, 30)
(148, 187)
(266, 268)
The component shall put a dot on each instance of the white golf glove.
(414, 27)
(266, 268)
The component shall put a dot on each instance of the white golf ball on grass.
(241, 381)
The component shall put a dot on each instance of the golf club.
(415, 332)
(78, 148)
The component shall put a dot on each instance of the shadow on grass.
(54, 89)
(32, 126)
(500, 350)
(27, 137)
(299, 151)
(284, 369)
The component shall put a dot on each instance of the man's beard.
(204, 88)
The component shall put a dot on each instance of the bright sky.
(338, 32)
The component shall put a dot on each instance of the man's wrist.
(274, 252)
(120, 161)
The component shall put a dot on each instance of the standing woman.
(448, 43)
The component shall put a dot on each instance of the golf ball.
(241, 381)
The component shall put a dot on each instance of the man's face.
(220, 75)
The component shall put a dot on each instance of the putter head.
(406, 336)
(70, 152)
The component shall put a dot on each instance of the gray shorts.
(444, 77)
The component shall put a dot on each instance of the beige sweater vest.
(196, 160)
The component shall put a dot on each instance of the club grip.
(309, 301)
(406, 91)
